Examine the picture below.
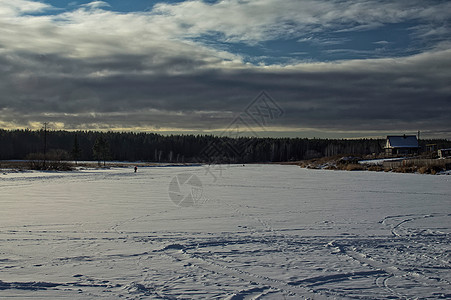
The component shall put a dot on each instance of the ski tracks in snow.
(407, 258)
(256, 248)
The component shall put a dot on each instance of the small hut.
(401, 144)
(442, 153)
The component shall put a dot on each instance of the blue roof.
(402, 141)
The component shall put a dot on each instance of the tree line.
(152, 147)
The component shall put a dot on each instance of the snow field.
(257, 232)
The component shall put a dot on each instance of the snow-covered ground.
(379, 161)
(256, 232)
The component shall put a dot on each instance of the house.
(431, 148)
(442, 153)
(401, 144)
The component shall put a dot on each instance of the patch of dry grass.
(355, 167)
(430, 170)
(375, 168)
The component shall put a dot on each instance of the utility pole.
(45, 142)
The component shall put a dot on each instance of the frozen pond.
(255, 232)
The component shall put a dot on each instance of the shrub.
(376, 168)
(35, 161)
(430, 170)
(54, 160)
(424, 170)
(355, 167)
(436, 169)
(405, 169)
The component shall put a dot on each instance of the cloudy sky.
(357, 68)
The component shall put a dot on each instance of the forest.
(152, 147)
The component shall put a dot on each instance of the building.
(430, 148)
(401, 144)
(442, 153)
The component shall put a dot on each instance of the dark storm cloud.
(409, 94)
(92, 68)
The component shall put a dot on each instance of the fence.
(419, 162)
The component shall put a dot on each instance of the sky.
(292, 68)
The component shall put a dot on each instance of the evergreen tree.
(101, 150)
(129, 146)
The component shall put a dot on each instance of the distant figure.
(136, 169)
